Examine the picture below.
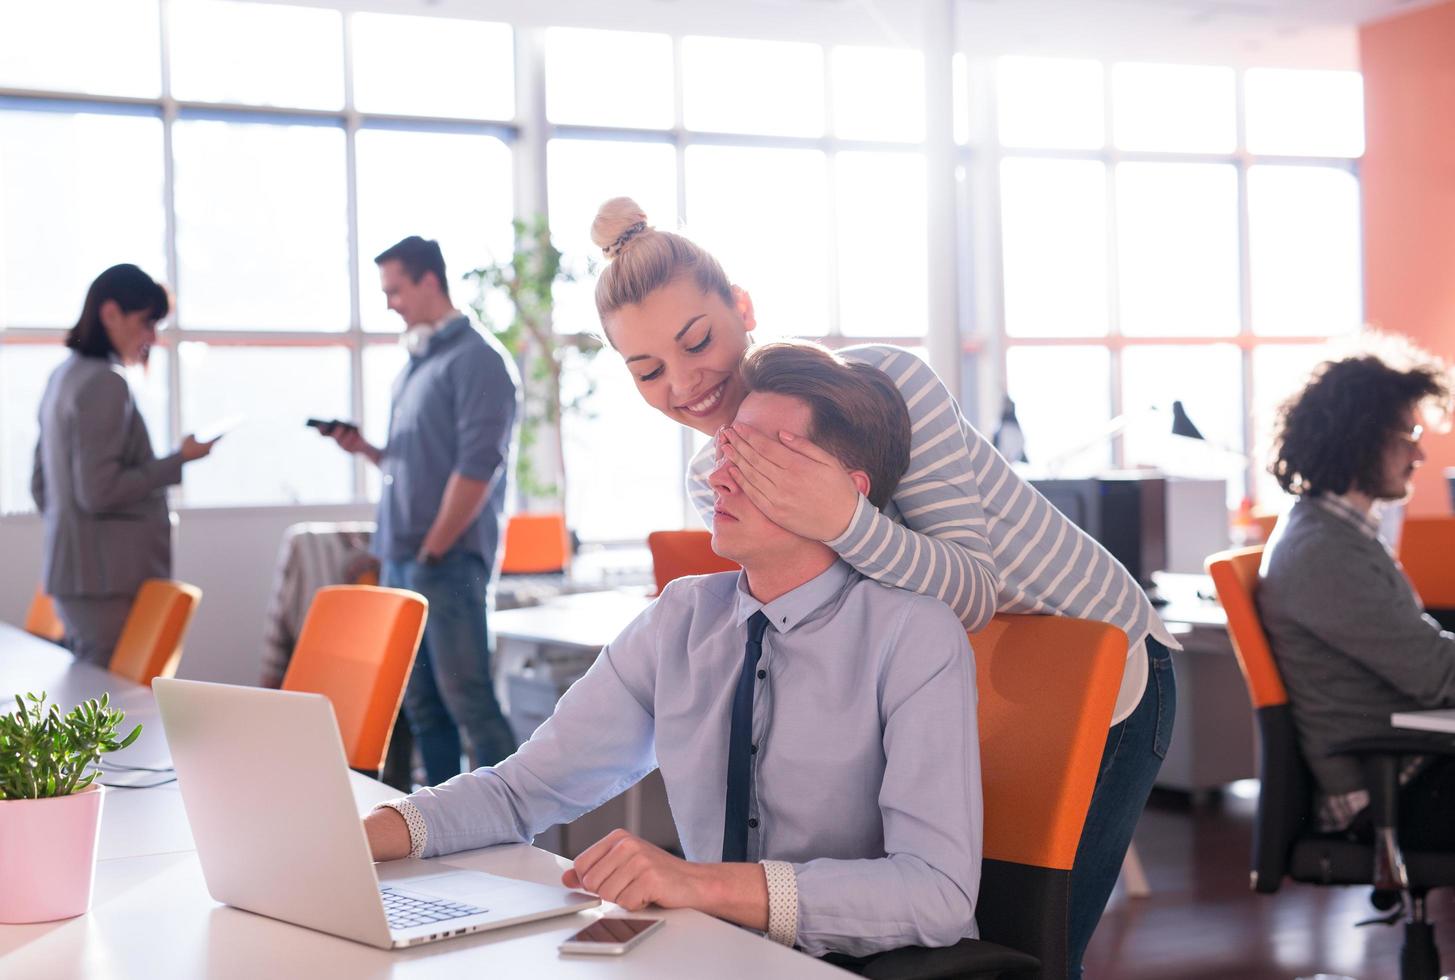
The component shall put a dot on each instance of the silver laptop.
(265, 784)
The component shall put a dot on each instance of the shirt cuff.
(419, 834)
(782, 902)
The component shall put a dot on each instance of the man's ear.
(743, 303)
(861, 481)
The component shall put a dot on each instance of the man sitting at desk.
(816, 730)
(1346, 629)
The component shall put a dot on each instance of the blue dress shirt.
(453, 410)
(867, 770)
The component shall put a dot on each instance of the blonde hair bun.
(617, 222)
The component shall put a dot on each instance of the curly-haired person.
(1350, 637)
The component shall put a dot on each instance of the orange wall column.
(1408, 180)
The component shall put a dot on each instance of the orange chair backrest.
(41, 619)
(356, 648)
(535, 544)
(1235, 577)
(1426, 546)
(1265, 524)
(1047, 687)
(679, 553)
(150, 644)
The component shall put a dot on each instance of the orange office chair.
(1285, 845)
(1425, 548)
(41, 619)
(150, 644)
(356, 648)
(535, 544)
(679, 553)
(1047, 687)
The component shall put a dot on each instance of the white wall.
(228, 553)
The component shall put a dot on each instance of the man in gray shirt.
(816, 729)
(1346, 629)
(450, 428)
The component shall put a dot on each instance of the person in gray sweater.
(1346, 628)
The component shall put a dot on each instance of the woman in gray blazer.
(97, 483)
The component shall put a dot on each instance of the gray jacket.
(1350, 638)
(99, 486)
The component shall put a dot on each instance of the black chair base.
(969, 959)
(1418, 957)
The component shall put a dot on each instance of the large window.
(1170, 233)
(1131, 234)
(259, 197)
(806, 178)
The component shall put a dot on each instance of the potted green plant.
(50, 805)
(544, 357)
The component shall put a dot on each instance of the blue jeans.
(1134, 752)
(450, 687)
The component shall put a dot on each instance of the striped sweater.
(964, 528)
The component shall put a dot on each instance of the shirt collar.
(449, 318)
(450, 326)
(1341, 508)
(798, 605)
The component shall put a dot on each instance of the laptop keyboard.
(406, 910)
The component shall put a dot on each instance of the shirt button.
(762, 674)
(753, 822)
(753, 750)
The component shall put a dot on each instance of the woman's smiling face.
(683, 348)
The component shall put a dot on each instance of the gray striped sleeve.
(941, 549)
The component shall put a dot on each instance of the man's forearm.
(736, 892)
(463, 498)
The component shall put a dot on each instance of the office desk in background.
(549, 645)
(151, 915)
(1212, 740)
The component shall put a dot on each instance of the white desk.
(151, 915)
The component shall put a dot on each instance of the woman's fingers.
(805, 446)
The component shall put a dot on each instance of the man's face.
(740, 531)
(1403, 454)
(406, 297)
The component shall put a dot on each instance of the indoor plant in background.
(544, 357)
(50, 806)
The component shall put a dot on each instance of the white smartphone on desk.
(610, 936)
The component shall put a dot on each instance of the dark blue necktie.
(740, 747)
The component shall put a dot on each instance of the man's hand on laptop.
(388, 834)
(623, 868)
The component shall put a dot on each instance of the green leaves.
(44, 753)
(543, 352)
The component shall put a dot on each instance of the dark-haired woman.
(97, 483)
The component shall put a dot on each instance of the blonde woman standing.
(962, 526)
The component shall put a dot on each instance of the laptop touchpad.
(463, 886)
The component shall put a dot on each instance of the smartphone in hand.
(331, 427)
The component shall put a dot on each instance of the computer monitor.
(1126, 515)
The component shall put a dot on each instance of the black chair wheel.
(1384, 900)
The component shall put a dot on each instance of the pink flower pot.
(48, 855)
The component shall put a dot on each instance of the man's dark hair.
(132, 290)
(856, 412)
(1330, 436)
(417, 256)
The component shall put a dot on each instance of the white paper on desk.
(219, 428)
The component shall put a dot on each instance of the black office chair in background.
(1285, 845)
